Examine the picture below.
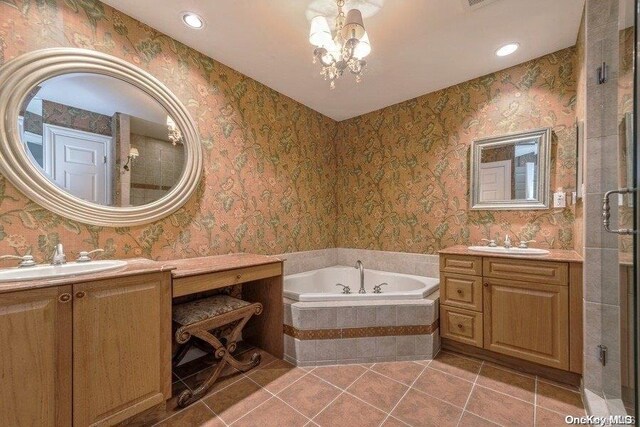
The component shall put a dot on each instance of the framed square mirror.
(511, 172)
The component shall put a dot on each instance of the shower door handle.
(606, 211)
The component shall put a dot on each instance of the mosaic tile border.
(374, 331)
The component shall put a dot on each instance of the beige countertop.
(211, 264)
(133, 266)
(560, 255)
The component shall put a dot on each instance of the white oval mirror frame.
(20, 75)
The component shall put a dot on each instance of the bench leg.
(181, 353)
(223, 353)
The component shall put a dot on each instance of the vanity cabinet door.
(35, 361)
(527, 320)
(121, 347)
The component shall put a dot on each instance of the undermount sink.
(43, 272)
(509, 251)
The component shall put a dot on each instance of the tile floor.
(451, 390)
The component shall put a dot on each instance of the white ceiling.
(419, 46)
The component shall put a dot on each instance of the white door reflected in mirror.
(495, 181)
(79, 129)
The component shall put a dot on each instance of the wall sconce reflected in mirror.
(175, 135)
(133, 154)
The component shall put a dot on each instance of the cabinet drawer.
(461, 264)
(461, 291)
(552, 273)
(206, 282)
(461, 325)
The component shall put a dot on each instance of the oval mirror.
(95, 139)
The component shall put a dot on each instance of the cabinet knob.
(80, 294)
(66, 297)
(239, 276)
(486, 285)
(459, 291)
(460, 326)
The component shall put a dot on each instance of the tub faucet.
(360, 267)
(345, 289)
(59, 257)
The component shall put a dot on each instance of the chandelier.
(343, 50)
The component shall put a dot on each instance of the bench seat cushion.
(205, 308)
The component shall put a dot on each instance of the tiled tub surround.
(337, 332)
(324, 333)
(396, 262)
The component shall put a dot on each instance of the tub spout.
(360, 267)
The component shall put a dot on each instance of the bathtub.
(320, 285)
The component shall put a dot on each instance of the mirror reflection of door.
(102, 139)
(81, 162)
(495, 181)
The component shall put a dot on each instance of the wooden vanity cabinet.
(527, 309)
(35, 358)
(87, 354)
(121, 347)
(527, 320)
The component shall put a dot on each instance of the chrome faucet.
(507, 242)
(59, 257)
(84, 256)
(345, 289)
(524, 244)
(360, 267)
(25, 260)
(490, 243)
(377, 289)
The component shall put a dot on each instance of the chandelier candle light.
(345, 49)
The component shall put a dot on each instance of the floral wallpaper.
(403, 170)
(76, 118)
(269, 174)
(280, 177)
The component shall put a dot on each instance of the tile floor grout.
(275, 395)
(424, 368)
(448, 373)
(424, 392)
(372, 405)
(339, 394)
(370, 367)
(238, 378)
(470, 393)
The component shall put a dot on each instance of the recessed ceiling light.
(507, 49)
(192, 20)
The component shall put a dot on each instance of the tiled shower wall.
(156, 170)
(601, 270)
